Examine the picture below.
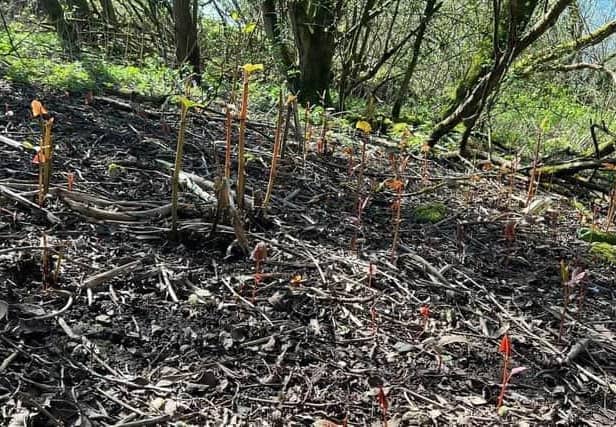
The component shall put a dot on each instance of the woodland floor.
(124, 353)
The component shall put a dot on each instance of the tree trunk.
(109, 15)
(313, 28)
(66, 31)
(186, 41)
(431, 8)
(283, 55)
(82, 9)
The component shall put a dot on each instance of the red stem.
(505, 380)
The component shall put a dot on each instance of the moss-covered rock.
(604, 251)
(594, 235)
(429, 213)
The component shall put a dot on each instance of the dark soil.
(319, 337)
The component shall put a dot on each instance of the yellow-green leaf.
(545, 124)
(363, 126)
(187, 103)
(235, 15)
(27, 145)
(250, 27)
(251, 68)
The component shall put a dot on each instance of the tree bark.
(313, 28)
(109, 15)
(66, 31)
(82, 9)
(186, 41)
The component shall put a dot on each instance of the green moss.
(429, 213)
(604, 251)
(594, 235)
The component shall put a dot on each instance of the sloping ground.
(322, 332)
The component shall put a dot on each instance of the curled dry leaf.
(37, 108)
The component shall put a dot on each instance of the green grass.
(39, 62)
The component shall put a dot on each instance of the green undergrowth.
(38, 61)
(526, 106)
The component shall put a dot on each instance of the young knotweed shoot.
(571, 279)
(425, 170)
(248, 70)
(229, 114)
(290, 104)
(258, 255)
(372, 270)
(296, 280)
(275, 154)
(381, 398)
(360, 202)
(424, 311)
(45, 263)
(358, 221)
(512, 172)
(307, 133)
(374, 316)
(397, 186)
(349, 152)
(322, 140)
(535, 175)
(611, 211)
(56, 273)
(514, 371)
(509, 231)
(185, 106)
(44, 154)
(504, 348)
(70, 181)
